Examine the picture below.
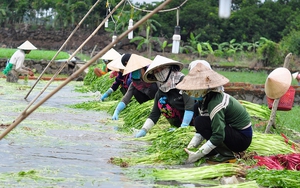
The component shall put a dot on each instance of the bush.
(269, 54)
(291, 43)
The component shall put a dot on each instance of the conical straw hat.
(294, 75)
(136, 62)
(111, 55)
(116, 64)
(159, 61)
(194, 63)
(202, 77)
(27, 46)
(278, 83)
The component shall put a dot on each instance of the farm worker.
(142, 91)
(224, 123)
(121, 81)
(176, 106)
(296, 76)
(15, 65)
(109, 56)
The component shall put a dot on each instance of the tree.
(145, 41)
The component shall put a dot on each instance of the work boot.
(196, 141)
(225, 155)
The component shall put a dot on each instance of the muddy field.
(57, 146)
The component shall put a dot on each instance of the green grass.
(290, 119)
(246, 77)
(252, 77)
(6, 53)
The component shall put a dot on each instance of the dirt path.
(57, 146)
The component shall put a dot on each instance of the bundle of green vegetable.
(255, 110)
(269, 144)
(94, 105)
(101, 84)
(135, 114)
(274, 178)
(194, 175)
(168, 147)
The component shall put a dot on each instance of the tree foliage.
(249, 21)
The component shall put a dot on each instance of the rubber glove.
(141, 133)
(119, 108)
(187, 118)
(171, 129)
(203, 150)
(146, 127)
(163, 100)
(196, 141)
(106, 94)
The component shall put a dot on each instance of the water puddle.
(57, 146)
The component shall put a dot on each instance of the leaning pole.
(26, 113)
(64, 44)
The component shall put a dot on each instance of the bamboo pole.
(64, 44)
(26, 113)
(73, 55)
(276, 101)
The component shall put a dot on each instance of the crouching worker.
(223, 122)
(122, 82)
(176, 106)
(142, 91)
(15, 66)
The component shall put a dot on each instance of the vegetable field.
(272, 160)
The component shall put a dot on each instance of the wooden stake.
(276, 101)
(73, 55)
(26, 113)
(64, 44)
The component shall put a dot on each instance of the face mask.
(198, 98)
(136, 74)
(161, 76)
(196, 94)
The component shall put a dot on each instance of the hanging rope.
(115, 22)
(166, 10)
(109, 11)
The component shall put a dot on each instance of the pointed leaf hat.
(27, 46)
(111, 55)
(278, 83)
(202, 77)
(159, 61)
(116, 64)
(136, 62)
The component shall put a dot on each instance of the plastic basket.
(285, 102)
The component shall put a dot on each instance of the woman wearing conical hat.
(296, 76)
(142, 91)
(15, 65)
(122, 82)
(177, 107)
(224, 123)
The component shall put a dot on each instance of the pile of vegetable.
(267, 151)
(256, 111)
(280, 161)
(195, 175)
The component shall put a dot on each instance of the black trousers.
(234, 139)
